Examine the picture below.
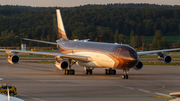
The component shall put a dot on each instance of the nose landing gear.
(125, 76)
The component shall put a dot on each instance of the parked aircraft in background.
(91, 54)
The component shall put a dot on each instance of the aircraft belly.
(87, 64)
(100, 59)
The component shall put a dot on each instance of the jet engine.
(62, 65)
(138, 66)
(164, 58)
(13, 59)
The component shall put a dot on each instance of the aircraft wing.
(157, 51)
(75, 57)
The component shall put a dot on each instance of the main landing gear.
(69, 71)
(125, 76)
(110, 71)
(88, 70)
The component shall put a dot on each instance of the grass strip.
(156, 56)
(25, 55)
(144, 63)
(43, 61)
(159, 63)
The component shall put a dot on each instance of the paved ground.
(43, 82)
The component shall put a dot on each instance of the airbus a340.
(91, 55)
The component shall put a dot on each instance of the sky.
(72, 3)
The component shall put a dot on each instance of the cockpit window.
(127, 53)
(132, 54)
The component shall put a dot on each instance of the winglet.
(61, 30)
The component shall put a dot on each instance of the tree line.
(113, 21)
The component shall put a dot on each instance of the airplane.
(91, 55)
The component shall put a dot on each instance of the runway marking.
(144, 90)
(161, 94)
(31, 97)
(166, 97)
(163, 86)
(127, 87)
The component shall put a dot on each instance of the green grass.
(144, 63)
(159, 63)
(172, 39)
(25, 55)
(46, 61)
(156, 56)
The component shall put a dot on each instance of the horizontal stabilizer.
(47, 42)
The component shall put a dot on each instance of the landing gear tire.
(72, 72)
(110, 71)
(69, 72)
(114, 72)
(106, 71)
(124, 76)
(66, 72)
(88, 71)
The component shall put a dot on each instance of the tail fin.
(61, 30)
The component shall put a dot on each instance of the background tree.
(159, 41)
(178, 43)
(89, 21)
(132, 38)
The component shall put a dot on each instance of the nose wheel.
(125, 75)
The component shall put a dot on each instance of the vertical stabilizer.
(61, 30)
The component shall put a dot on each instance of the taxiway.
(44, 82)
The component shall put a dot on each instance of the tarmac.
(44, 82)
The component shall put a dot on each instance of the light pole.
(100, 37)
(21, 35)
(142, 43)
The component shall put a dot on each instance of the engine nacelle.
(13, 59)
(164, 58)
(62, 65)
(138, 66)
